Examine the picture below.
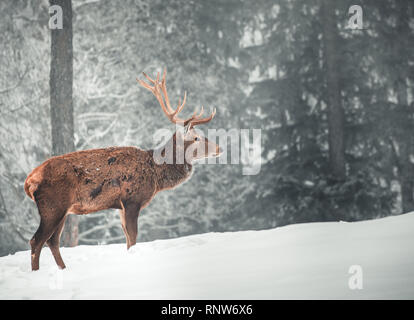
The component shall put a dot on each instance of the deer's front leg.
(129, 219)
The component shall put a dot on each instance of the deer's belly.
(96, 198)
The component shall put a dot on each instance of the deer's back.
(93, 180)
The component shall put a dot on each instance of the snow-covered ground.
(303, 261)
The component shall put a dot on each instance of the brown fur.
(125, 178)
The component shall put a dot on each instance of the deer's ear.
(186, 129)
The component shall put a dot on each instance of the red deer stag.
(125, 178)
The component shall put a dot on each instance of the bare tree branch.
(21, 77)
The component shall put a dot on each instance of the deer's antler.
(159, 89)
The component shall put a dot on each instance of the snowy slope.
(300, 261)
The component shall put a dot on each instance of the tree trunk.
(61, 104)
(406, 139)
(333, 93)
(407, 177)
(406, 168)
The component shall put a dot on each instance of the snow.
(302, 261)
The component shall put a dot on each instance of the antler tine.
(181, 105)
(201, 112)
(145, 85)
(155, 90)
(148, 78)
(196, 121)
(164, 91)
(159, 90)
(194, 116)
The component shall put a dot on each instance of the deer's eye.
(196, 139)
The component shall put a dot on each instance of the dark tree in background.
(61, 102)
(333, 93)
(403, 47)
(318, 110)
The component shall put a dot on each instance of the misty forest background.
(335, 107)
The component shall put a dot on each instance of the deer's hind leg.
(50, 219)
(54, 241)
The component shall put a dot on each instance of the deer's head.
(195, 146)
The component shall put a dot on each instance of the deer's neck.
(170, 175)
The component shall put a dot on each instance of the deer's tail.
(31, 185)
